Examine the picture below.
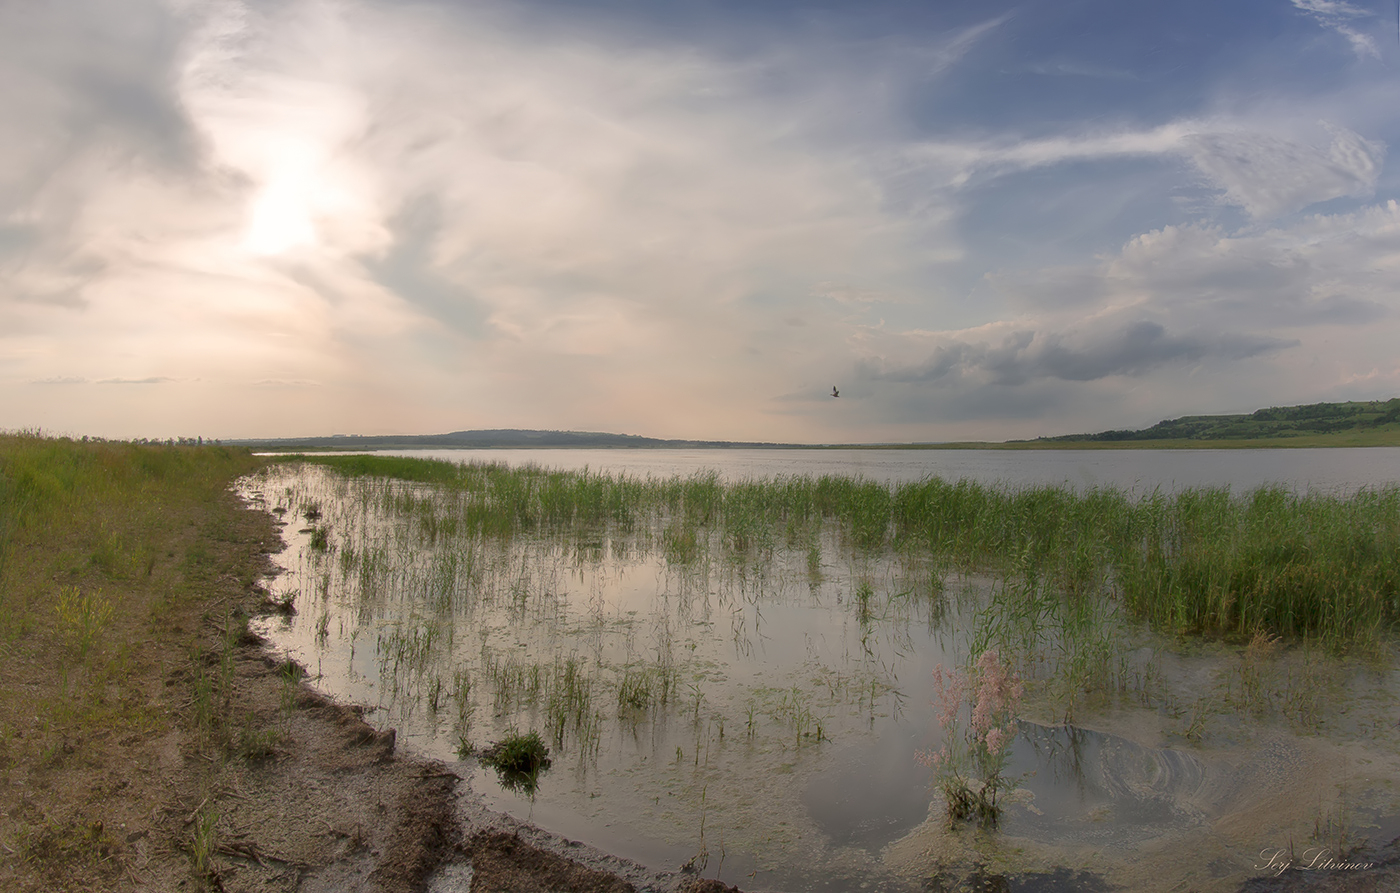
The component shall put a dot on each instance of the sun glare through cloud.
(280, 217)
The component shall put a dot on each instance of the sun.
(280, 219)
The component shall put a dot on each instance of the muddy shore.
(337, 808)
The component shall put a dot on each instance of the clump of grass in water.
(794, 709)
(635, 693)
(518, 760)
(681, 544)
(1305, 689)
(570, 703)
(864, 593)
(970, 767)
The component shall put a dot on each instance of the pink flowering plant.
(970, 767)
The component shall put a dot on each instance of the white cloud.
(1339, 16)
(1265, 173)
(1269, 176)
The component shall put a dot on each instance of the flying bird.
(834, 392)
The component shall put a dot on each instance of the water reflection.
(768, 686)
(1088, 785)
(674, 691)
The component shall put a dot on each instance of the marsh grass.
(1066, 586)
(1071, 574)
(519, 759)
(1199, 561)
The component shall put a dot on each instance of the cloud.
(372, 216)
(1074, 68)
(1308, 309)
(1322, 270)
(1338, 16)
(1264, 173)
(440, 208)
(154, 379)
(87, 92)
(1269, 176)
(1023, 356)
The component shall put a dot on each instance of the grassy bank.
(1316, 567)
(1376, 438)
(111, 559)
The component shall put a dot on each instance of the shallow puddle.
(756, 711)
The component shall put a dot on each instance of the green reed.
(1199, 561)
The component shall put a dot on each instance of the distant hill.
(1375, 423)
(497, 438)
(1277, 422)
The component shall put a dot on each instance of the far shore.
(1317, 441)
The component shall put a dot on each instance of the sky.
(693, 219)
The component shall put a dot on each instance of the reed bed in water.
(1311, 566)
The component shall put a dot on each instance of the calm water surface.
(1330, 470)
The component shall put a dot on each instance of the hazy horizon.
(246, 219)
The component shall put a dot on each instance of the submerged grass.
(1202, 561)
(552, 570)
(603, 603)
(431, 554)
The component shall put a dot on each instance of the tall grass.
(92, 498)
(1202, 561)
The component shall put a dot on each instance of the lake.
(1331, 470)
(745, 685)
